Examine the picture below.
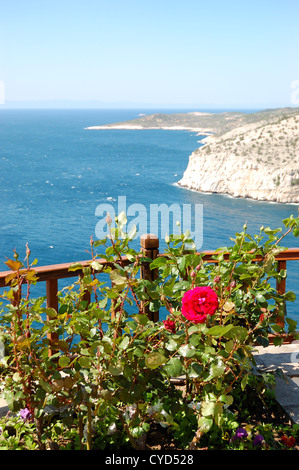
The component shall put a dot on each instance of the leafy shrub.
(112, 369)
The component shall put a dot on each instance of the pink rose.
(169, 325)
(199, 302)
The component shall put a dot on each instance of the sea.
(57, 178)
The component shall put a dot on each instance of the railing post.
(150, 249)
(281, 287)
(52, 302)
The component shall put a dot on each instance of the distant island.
(249, 155)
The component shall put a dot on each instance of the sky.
(168, 53)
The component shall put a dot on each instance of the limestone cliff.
(259, 160)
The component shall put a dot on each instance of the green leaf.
(219, 330)
(195, 370)
(96, 265)
(292, 324)
(47, 387)
(262, 341)
(216, 370)
(158, 262)
(260, 298)
(102, 303)
(205, 424)
(218, 413)
(195, 328)
(138, 352)
(207, 408)
(244, 381)
(155, 305)
(237, 332)
(186, 351)
(269, 263)
(182, 263)
(171, 345)
(155, 359)
(229, 346)
(173, 367)
(245, 276)
(277, 341)
(75, 266)
(12, 402)
(63, 345)
(131, 257)
(16, 377)
(128, 372)
(268, 231)
(195, 339)
(84, 361)
(124, 343)
(117, 278)
(227, 399)
(50, 312)
(290, 296)
(64, 361)
(114, 370)
(141, 319)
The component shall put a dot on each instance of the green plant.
(111, 372)
(17, 434)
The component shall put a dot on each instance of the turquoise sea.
(54, 174)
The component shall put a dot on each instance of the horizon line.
(97, 104)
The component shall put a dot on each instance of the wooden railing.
(150, 248)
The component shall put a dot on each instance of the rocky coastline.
(258, 161)
(247, 155)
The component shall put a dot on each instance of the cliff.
(249, 155)
(258, 160)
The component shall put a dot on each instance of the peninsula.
(249, 155)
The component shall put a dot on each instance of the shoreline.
(200, 131)
(248, 157)
(268, 201)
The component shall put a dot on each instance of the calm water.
(54, 173)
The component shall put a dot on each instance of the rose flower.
(199, 302)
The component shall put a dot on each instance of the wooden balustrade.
(150, 249)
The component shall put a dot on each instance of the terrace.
(150, 248)
(267, 358)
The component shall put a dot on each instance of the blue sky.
(192, 53)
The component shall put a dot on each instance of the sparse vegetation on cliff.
(259, 160)
(244, 154)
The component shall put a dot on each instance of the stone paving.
(286, 359)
